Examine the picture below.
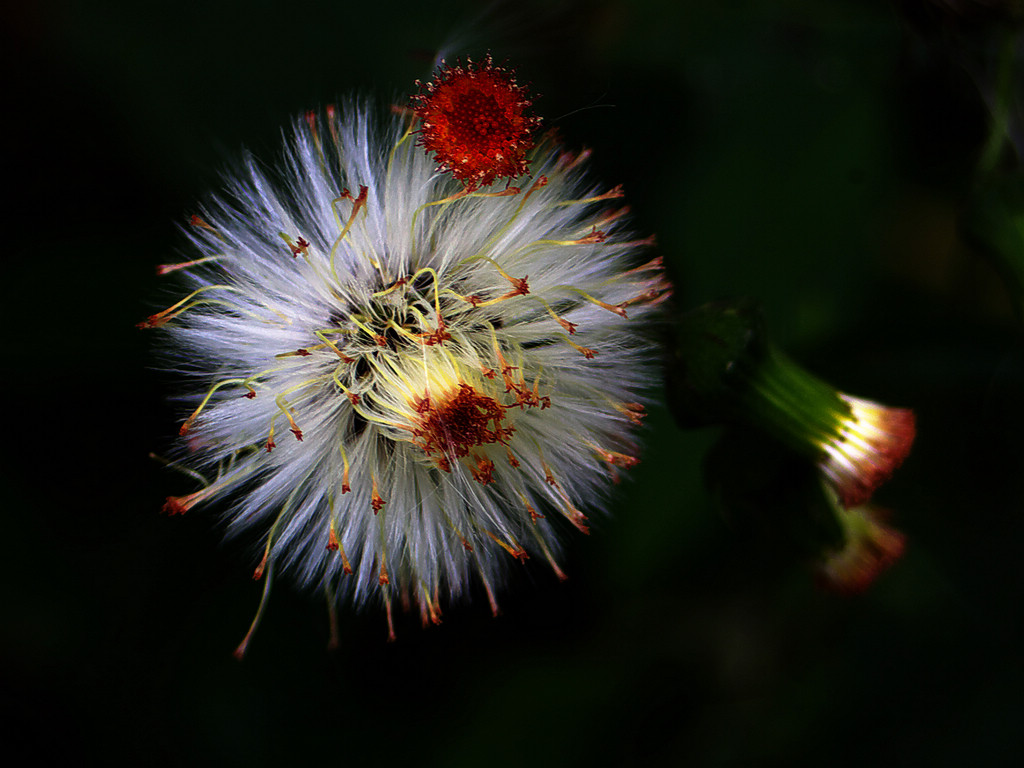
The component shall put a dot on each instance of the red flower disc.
(476, 121)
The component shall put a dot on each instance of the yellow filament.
(333, 535)
(437, 289)
(612, 194)
(282, 404)
(180, 468)
(492, 262)
(164, 269)
(297, 353)
(585, 351)
(188, 422)
(371, 395)
(357, 204)
(391, 155)
(377, 419)
(350, 393)
(416, 214)
(512, 548)
(555, 316)
(547, 554)
(321, 335)
(188, 298)
(244, 645)
(493, 239)
(602, 304)
(408, 334)
(344, 475)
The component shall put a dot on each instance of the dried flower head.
(726, 369)
(868, 443)
(400, 382)
(476, 120)
(871, 547)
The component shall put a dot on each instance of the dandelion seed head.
(383, 362)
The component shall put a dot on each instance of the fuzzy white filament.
(402, 383)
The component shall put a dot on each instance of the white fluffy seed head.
(403, 384)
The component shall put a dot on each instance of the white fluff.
(436, 528)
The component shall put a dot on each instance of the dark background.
(815, 155)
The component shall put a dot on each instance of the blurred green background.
(817, 155)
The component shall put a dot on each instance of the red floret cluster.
(476, 120)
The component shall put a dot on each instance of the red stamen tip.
(174, 506)
(520, 287)
(483, 473)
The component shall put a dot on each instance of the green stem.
(792, 404)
